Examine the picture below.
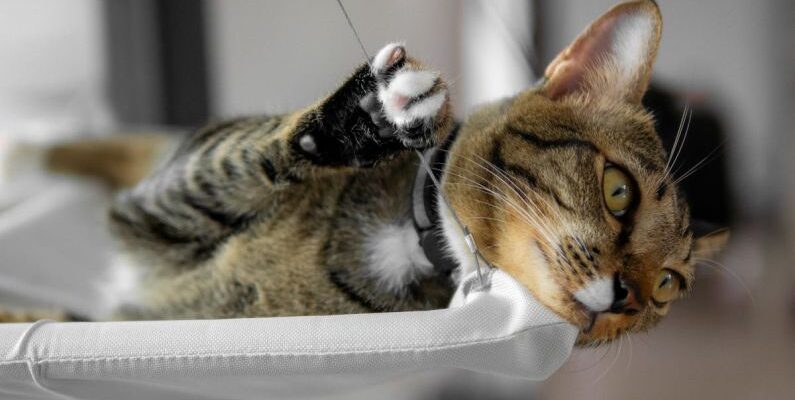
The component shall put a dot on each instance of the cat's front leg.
(391, 105)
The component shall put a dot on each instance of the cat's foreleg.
(386, 107)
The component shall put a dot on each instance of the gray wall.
(52, 74)
(280, 55)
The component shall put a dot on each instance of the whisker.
(535, 220)
(490, 218)
(631, 351)
(674, 148)
(707, 159)
(521, 213)
(684, 139)
(511, 183)
(720, 267)
(613, 363)
(535, 210)
(598, 361)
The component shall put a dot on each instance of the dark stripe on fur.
(551, 143)
(420, 98)
(269, 169)
(650, 165)
(203, 135)
(350, 293)
(623, 236)
(527, 176)
(230, 169)
(661, 190)
(146, 224)
(387, 75)
(235, 222)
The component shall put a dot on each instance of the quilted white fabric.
(498, 329)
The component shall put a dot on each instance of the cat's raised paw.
(411, 98)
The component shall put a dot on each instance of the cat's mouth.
(590, 322)
(604, 308)
(600, 307)
(583, 317)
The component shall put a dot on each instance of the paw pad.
(387, 57)
(307, 143)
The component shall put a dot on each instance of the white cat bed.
(500, 329)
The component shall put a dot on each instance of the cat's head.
(567, 186)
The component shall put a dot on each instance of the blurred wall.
(52, 77)
(271, 56)
(497, 50)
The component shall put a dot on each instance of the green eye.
(618, 191)
(666, 287)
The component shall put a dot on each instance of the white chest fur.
(394, 256)
(121, 285)
(456, 243)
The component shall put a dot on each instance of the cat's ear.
(709, 245)
(612, 57)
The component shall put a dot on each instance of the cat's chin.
(596, 328)
(602, 328)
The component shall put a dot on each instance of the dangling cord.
(355, 33)
(468, 238)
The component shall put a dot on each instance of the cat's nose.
(625, 299)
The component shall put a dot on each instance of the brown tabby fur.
(289, 241)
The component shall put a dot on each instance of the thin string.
(468, 238)
(355, 33)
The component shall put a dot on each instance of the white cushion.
(500, 329)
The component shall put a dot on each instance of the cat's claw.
(408, 97)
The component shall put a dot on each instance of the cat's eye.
(618, 191)
(667, 287)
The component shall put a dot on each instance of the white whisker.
(699, 164)
(613, 363)
(682, 144)
(534, 220)
(674, 148)
(720, 267)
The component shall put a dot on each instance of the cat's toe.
(390, 57)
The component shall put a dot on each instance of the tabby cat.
(565, 186)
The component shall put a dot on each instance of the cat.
(325, 210)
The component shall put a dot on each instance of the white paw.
(409, 96)
(388, 56)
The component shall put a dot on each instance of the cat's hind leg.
(120, 161)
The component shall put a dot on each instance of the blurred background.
(88, 67)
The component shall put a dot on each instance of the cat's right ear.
(612, 57)
(710, 245)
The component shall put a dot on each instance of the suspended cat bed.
(498, 329)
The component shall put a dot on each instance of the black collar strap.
(425, 207)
